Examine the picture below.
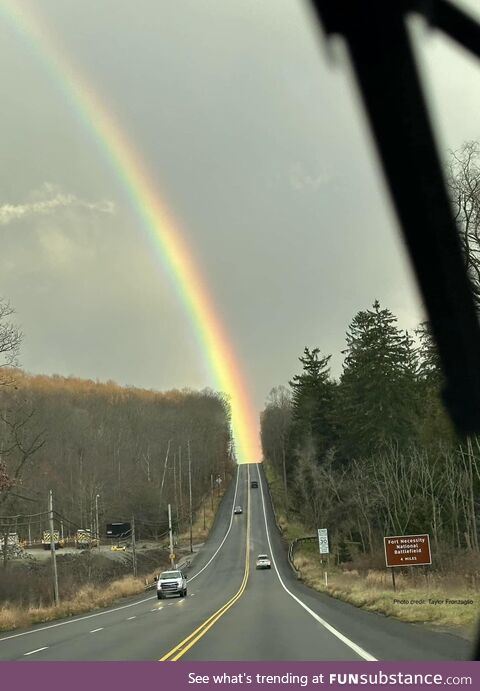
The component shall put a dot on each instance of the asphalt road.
(233, 611)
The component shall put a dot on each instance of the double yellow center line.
(184, 646)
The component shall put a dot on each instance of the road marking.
(226, 534)
(132, 604)
(35, 651)
(356, 648)
(184, 646)
(74, 621)
(95, 630)
(128, 618)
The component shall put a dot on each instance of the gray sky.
(256, 141)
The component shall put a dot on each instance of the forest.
(126, 449)
(372, 453)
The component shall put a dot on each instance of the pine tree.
(430, 369)
(312, 403)
(435, 425)
(378, 391)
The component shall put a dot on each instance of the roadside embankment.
(90, 580)
(449, 599)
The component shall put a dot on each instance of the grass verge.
(203, 519)
(88, 598)
(437, 600)
(289, 526)
(433, 600)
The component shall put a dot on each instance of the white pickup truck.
(171, 583)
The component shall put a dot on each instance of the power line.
(20, 525)
(21, 496)
(60, 517)
(23, 515)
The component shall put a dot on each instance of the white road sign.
(323, 541)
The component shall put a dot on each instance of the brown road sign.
(407, 550)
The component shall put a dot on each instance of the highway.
(233, 611)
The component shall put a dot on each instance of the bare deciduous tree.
(10, 340)
(463, 177)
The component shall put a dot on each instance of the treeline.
(373, 453)
(130, 446)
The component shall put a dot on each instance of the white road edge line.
(95, 630)
(73, 621)
(134, 617)
(35, 651)
(356, 648)
(226, 534)
(132, 604)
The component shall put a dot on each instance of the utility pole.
(97, 530)
(52, 550)
(211, 488)
(175, 486)
(170, 535)
(180, 486)
(190, 495)
(134, 553)
(165, 469)
(6, 532)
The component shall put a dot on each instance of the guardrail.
(293, 546)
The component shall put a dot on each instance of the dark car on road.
(254, 483)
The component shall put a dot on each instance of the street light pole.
(96, 521)
(134, 548)
(190, 496)
(52, 550)
(211, 489)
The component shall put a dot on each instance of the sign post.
(323, 541)
(406, 550)
(324, 547)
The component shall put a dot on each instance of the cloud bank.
(51, 199)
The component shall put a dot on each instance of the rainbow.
(157, 221)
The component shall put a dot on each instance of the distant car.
(238, 509)
(254, 483)
(171, 583)
(118, 548)
(263, 562)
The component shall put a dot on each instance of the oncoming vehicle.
(263, 562)
(254, 483)
(238, 509)
(171, 583)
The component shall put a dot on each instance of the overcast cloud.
(255, 140)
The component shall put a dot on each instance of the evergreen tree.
(430, 369)
(312, 403)
(435, 425)
(378, 392)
